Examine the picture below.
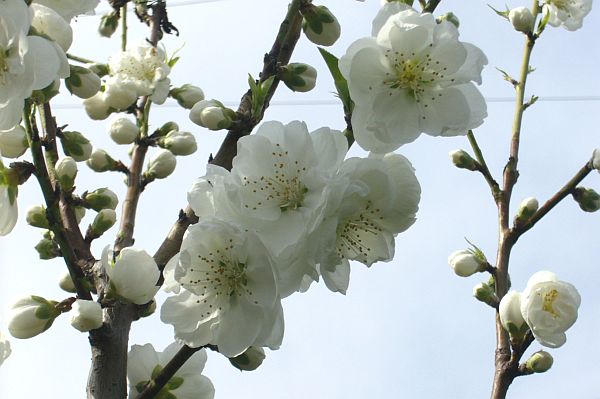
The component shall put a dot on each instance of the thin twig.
(482, 165)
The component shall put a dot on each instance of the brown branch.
(482, 165)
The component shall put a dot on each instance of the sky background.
(408, 328)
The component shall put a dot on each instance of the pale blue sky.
(408, 328)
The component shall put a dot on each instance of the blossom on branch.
(70, 8)
(133, 275)
(567, 13)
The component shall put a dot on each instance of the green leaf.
(174, 383)
(340, 82)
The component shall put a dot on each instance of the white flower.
(4, 348)
(522, 19)
(143, 363)
(143, 68)
(133, 275)
(13, 142)
(50, 23)
(414, 77)
(70, 8)
(8, 209)
(119, 92)
(230, 294)
(385, 12)
(464, 263)
(567, 13)
(549, 307)
(27, 63)
(86, 315)
(123, 131)
(510, 314)
(30, 316)
(161, 164)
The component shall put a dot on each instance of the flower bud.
(521, 19)
(108, 24)
(527, 209)
(82, 82)
(99, 69)
(13, 142)
(539, 362)
(30, 316)
(485, 293)
(450, 17)
(66, 171)
(461, 159)
(161, 165)
(102, 198)
(466, 263)
(250, 360)
(119, 93)
(47, 93)
(123, 131)
(96, 107)
(187, 95)
(299, 77)
(211, 114)
(167, 128)
(319, 25)
(100, 161)
(104, 220)
(79, 213)
(510, 315)
(179, 143)
(36, 217)
(596, 159)
(47, 248)
(48, 22)
(86, 315)
(4, 348)
(66, 283)
(75, 145)
(588, 199)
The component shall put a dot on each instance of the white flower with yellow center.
(567, 13)
(229, 296)
(414, 77)
(549, 307)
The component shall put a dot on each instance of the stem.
(79, 59)
(124, 27)
(482, 166)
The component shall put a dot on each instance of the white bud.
(250, 360)
(102, 198)
(179, 143)
(108, 24)
(510, 315)
(161, 164)
(539, 362)
(119, 93)
(465, 263)
(66, 171)
(319, 25)
(100, 161)
(66, 283)
(36, 217)
(104, 220)
(86, 315)
(527, 209)
(48, 22)
(596, 159)
(96, 107)
(211, 114)
(75, 145)
(187, 95)
(299, 77)
(30, 316)
(13, 142)
(521, 18)
(123, 130)
(82, 82)
(461, 159)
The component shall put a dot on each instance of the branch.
(431, 6)
(482, 166)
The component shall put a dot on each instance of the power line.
(102, 10)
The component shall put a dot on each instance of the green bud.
(588, 199)
(461, 159)
(100, 161)
(539, 362)
(47, 93)
(36, 217)
(66, 171)
(99, 69)
(83, 82)
(187, 95)
(250, 360)
(527, 209)
(75, 145)
(485, 293)
(319, 25)
(108, 24)
(105, 219)
(47, 249)
(450, 17)
(168, 127)
(99, 199)
(299, 77)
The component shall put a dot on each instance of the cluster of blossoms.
(290, 211)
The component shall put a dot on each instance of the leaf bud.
(108, 24)
(527, 209)
(66, 171)
(13, 142)
(319, 25)
(212, 115)
(82, 82)
(461, 159)
(86, 315)
(299, 77)
(250, 360)
(588, 199)
(466, 262)
(161, 165)
(521, 19)
(102, 198)
(104, 220)
(31, 315)
(75, 145)
(36, 217)
(100, 161)
(187, 95)
(179, 143)
(539, 362)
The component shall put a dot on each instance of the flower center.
(352, 234)
(561, 4)
(548, 301)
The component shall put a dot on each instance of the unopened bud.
(299, 77)
(102, 198)
(99, 69)
(96, 107)
(450, 17)
(539, 362)
(13, 142)
(527, 209)
(161, 165)
(123, 131)
(108, 24)
(212, 115)
(104, 220)
(319, 25)
(100, 161)
(86, 315)
(79, 213)
(31, 315)
(521, 19)
(47, 93)
(36, 217)
(466, 262)
(179, 143)
(187, 95)
(485, 293)
(75, 145)
(66, 283)
(588, 199)
(461, 159)
(250, 360)
(596, 159)
(66, 171)
(511, 317)
(47, 248)
(167, 128)
(82, 82)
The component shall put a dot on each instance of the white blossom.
(229, 296)
(13, 142)
(70, 8)
(30, 316)
(8, 209)
(132, 275)
(549, 306)
(414, 77)
(50, 23)
(567, 13)
(4, 348)
(86, 315)
(143, 363)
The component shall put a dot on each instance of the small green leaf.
(340, 82)
(174, 383)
